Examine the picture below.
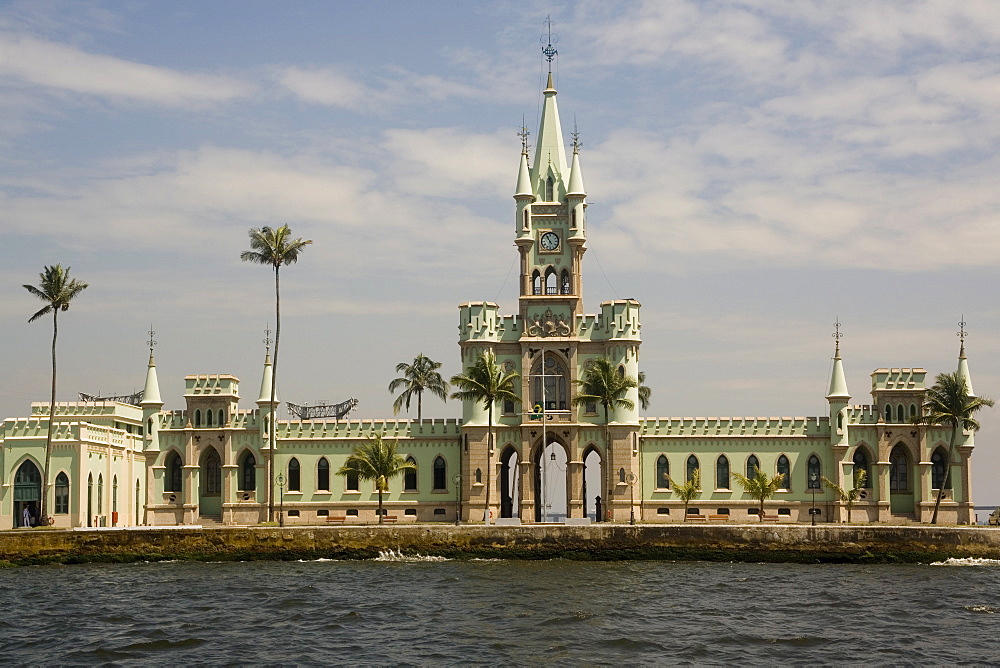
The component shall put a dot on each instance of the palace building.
(129, 462)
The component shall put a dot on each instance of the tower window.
(536, 283)
(550, 282)
(550, 190)
(565, 289)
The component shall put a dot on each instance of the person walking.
(26, 517)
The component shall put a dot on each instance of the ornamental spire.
(963, 363)
(838, 381)
(151, 391)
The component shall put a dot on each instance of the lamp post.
(280, 480)
(813, 480)
(631, 479)
(458, 498)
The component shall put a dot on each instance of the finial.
(961, 334)
(837, 336)
(267, 339)
(576, 137)
(151, 342)
(549, 39)
(523, 134)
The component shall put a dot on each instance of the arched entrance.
(510, 492)
(900, 481)
(593, 483)
(550, 482)
(27, 494)
(210, 494)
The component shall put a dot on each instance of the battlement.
(215, 384)
(87, 409)
(402, 428)
(861, 414)
(898, 379)
(735, 426)
(36, 428)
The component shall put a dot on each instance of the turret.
(576, 195)
(838, 396)
(266, 379)
(151, 404)
(523, 195)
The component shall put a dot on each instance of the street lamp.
(630, 479)
(813, 484)
(458, 498)
(280, 480)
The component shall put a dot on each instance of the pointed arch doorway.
(210, 492)
(27, 494)
(551, 499)
(593, 484)
(510, 484)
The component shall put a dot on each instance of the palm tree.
(57, 290)
(760, 486)
(602, 383)
(273, 247)
(488, 382)
(645, 393)
(948, 402)
(849, 496)
(376, 460)
(421, 375)
(688, 490)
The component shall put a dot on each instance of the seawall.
(792, 543)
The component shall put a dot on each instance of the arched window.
(222, 418)
(479, 476)
(536, 283)
(172, 481)
(621, 474)
(62, 494)
(208, 418)
(550, 195)
(722, 472)
(90, 499)
(900, 415)
(410, 477)
(248, 473)
(323, 474)
(294, 475)
(211, 471)
(197, 418)
(440, 474)
(692, 466)
(939, 469)
(888, 413)
(662, 473)
(550, 282)
(555, 378)
(784, 469)
(149, 426)
(352, 483)
(913, 412)
(100, 493)
(138, 502)
(753, 464)
(840, 420)
(899, 470)
(572, 219)
(565, 286)
(813, 473)
(862, 463)
(527, 218)
(114, 494)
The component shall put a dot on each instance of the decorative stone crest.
(548, 324)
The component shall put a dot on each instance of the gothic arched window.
(662, 473)
(550, 383)
(410, 477)
(753, 464)
(550, 195)
(248, 473)
(900, 415)
(211, 471)
(722, 472)
(899, 470)
(861, 463)
(813, 472)
(939, 469)
(888, 413)
(294, 475)
(323, 474)
(784, 469)
(550, 282)
(440, 473)
(565, 284)
(62, 494)
(172, 481)
(692, 466)
(536, 283)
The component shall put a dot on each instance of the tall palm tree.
(602, 383)
(488, 382)
(421, 375)
(376, 460)
(57, 290)
(688, 490)
(848, 496)
(948, 402)
(760, 487)
(645, 393)
(273, 247)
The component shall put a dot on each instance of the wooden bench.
(696, 518)
(770, 518)
(389, 519)
(336, 519)
(718, 518)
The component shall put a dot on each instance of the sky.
(756, 171)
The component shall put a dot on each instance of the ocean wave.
(967, 561)
(397, 555)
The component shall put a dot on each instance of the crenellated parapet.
(479, 321)
(797, 427)
(359, 429)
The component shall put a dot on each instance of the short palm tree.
(688, 490)
(273, 247)
(849, 496)
(486, 382)
(602, 383)
(57, 290)
(948, 402)
(645, 393)
(421, 375)
(760, 487)
(376, 460)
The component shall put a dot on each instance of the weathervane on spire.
(549, 39)
(576, 137)
(837, 335)
(523, 134)
(267, 339)
(151, 342)
(961, 333)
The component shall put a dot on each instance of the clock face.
(550, 241)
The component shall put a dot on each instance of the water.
(415, 610)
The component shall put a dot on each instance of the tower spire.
(838, 381)
(549, 170)
(548, 50)
(267, 378)
(963, 363)
(151, 391)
